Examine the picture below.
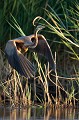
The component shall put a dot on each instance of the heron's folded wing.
(20, 63)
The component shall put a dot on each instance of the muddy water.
(38, 113)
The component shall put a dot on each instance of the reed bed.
(59, 88)
(45, 88)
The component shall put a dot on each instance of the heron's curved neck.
(36, 39)
(39, 27)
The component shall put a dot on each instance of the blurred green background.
(24, 11)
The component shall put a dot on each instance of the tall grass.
(24, 11)
(14, 88)
(67, 31)
(17, 15)
(61, 31)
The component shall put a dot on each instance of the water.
(38, 113)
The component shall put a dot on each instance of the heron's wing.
(44, 49)
(18, 61)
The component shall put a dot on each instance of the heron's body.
(16, 48)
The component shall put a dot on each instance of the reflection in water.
(39, 113)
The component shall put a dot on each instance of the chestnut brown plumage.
(16, 48)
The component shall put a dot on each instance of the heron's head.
(31, 42)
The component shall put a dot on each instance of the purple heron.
(16, 48)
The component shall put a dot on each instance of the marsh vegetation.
(61, 21)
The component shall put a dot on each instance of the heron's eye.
(33, 39)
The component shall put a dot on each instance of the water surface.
(38, 113)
